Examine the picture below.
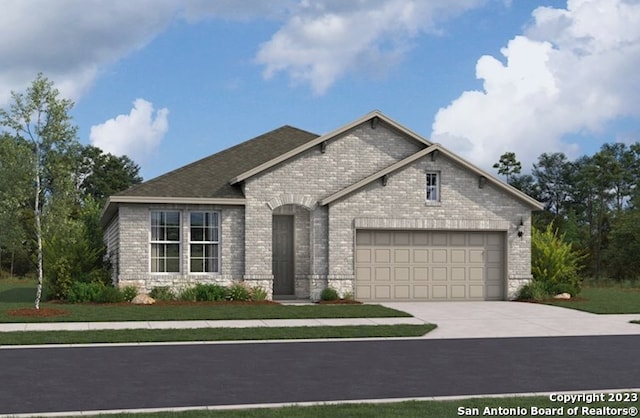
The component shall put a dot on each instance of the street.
(158, 376)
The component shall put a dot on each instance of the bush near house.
(98, 292)
(329, 293)
(554, 264)
(210, 292)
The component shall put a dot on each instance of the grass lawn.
(441, 409)
(211, 334)
(16, 294)
(604, 300)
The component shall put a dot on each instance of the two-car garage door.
(429, 265)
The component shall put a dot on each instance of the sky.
(168, 82)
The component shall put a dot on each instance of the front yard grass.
(604, 300)
(19, 294)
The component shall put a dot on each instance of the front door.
(283, 270)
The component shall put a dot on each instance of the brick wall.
(134, 225)
(401, 205)
(304, 180)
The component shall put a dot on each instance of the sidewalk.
(247, 323)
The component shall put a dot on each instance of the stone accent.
(343, 284)
(514, 285)
(264, 281)
(143, 300)
(293, 199)
(317, 283)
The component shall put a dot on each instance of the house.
(371, 209)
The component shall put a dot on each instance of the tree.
(15, 172)
(624, 246)
(552, 176)
(508, 166)
(102, 175)
(42, 119)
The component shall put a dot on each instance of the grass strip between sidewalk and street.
(211, 334)
(487, 406)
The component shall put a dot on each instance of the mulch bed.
(40, 313)
(339, 302)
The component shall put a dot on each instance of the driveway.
(513, 319)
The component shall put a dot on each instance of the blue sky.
(168, 82)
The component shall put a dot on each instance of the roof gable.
(374, 117)
(517, 194)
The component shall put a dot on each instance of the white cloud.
(72, 40)
(136, 135)
(572, 71)
(319, 41)
(324, 40)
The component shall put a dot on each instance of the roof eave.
(110, 208)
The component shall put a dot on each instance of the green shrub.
(129, 292)
(536, 290)
(109, 294)
(210, 292)
(188, 294)
(59, 280)
(80, 292)
(162, 294)
(554, 262)
(258, 293)
(98, 292)
(239, 291)
(329, 293)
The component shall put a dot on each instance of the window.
(204, 242)
(165, 242)
(433, 187)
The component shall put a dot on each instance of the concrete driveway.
(513, 319)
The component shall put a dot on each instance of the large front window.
(165, 242)
(204, 241)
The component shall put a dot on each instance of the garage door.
(429, 265)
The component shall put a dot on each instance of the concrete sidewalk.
(454, 320)
(246, 323)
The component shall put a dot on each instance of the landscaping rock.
(143, 300)
(562, 296)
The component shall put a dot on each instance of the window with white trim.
(204, 242)
(433, 187)
(165, 242)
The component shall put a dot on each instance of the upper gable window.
(433, 187)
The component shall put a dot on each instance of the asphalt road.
(98, 378)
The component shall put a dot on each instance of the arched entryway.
(291, 251)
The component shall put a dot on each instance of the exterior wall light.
(520, 229)
(482, 180)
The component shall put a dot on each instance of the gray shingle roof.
(209, 177)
